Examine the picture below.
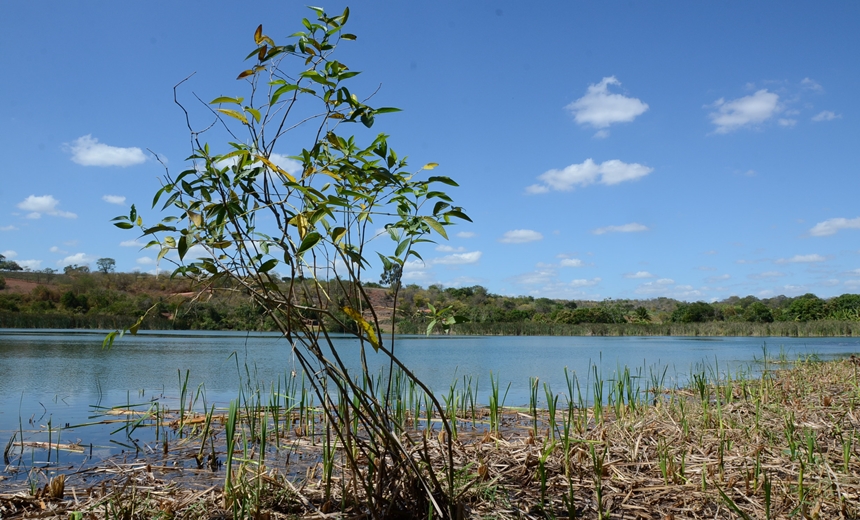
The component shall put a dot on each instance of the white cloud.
(536, 189)
(415, 271)
(767, 274)
(145, 260)
(43, 204)
(600, 108)
(788, 123)
(458, 258)
(666, 287)
(465, 234)
(639, 274)
(539, 277)
(131, 243)
(831, 226)
(588, 172)
(77, 258)
(584, 283)
(292, 166)
(114, 199)
(745, 111)
(9, 254)
(633, 227)
(520, 236)
(801, 259)
(718, 278)
(826, 115)
(30, 264)
(88, 151)
(810, 84)
(444, 248)
(8, 228)
(571, 262)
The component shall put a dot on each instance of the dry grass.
(785, 444)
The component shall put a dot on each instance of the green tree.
(8, 265)
(106, 265)
(696, 312)
(808, 307)
(757, 312)
(391, 275)
(255, 218)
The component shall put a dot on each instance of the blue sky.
(604, 149)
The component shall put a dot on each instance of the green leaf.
(308, 242)
(401, 247)
(182, 247)
(337, 234)
(232, 113)
(444, 180)
(430, 166)
(386, 110)
(226, 99)
(437, 227)
(124, 225)
(459, 214)
(268, 265)
(254, 112)
(281, 91)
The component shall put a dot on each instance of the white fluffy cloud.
(826, 115)
(588, 172)
(88, 151)
(465, 234)
(600, 108)
(46, 204)
(9, 254)
(831, 226)
(520, 236)
(30, 264)
(145, 260)
(745, 111)
(639, 274)
(114, 199)
(131, 243)
(77, 259)
(291, 166)
(584, 283)
(458, 258)
(571, 262)
(8, 228)
(633, 227)
(801, 259)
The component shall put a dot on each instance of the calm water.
(60, 375)
(64, 372)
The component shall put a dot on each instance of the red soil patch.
(19, 286)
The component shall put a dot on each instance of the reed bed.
(783, 442)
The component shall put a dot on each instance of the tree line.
(81, 296)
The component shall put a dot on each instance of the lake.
(59, 375)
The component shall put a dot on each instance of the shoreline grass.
(782, 443)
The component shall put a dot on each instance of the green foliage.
(295, 243)
(805, 308)
(757, 312)
(2, 283)
(696, 312)
(106, 265)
